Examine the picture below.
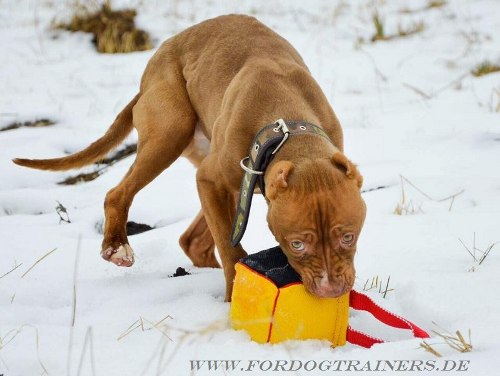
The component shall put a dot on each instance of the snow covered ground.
(408, 107)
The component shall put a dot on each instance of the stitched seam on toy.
(272, 315)
(291, 284)
(335, 327)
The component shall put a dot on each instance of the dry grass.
(104, 164)
(145, 324)
(118, 155)
(456, 341)
(38, 261)
(160, 356)
(435, 4)
(380, 34)
(478, 255)
(378, 24)
(377, 283)
(405, 207)
(414, 28)
(431, 4)
(88, 343)
(30, 124)
(114, 30)
(75, 280)
(484, 68)
(73, 310)
(11, 270)
(11, 336)
(427, 347)
(81, 178)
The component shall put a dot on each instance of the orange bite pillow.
(272, 305)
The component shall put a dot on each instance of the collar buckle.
(281, 126)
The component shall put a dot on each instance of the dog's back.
(236, 63)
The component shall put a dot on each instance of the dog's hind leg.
(165, 122)
(198, 243)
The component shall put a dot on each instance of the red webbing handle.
(362, 302)
(361, 339)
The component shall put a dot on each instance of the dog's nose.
(325, 288)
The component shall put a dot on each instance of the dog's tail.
(120, 128)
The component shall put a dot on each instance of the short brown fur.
(204, 95)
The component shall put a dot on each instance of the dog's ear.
(349, 168)
(276, 179)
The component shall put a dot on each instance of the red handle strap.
(362, 302)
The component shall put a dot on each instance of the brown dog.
(204, 95)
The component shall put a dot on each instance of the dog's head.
(316, 214)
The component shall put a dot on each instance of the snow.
(408, 107)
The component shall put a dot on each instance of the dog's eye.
(347, 239)
(297, 245)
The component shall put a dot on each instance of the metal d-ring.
(249, 170)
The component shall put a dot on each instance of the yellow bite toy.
(270, 302)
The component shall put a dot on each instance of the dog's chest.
(200, 141)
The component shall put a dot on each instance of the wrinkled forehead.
(320, 209)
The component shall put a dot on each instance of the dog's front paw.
(121, 256)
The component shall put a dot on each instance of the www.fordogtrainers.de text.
(330, 365)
